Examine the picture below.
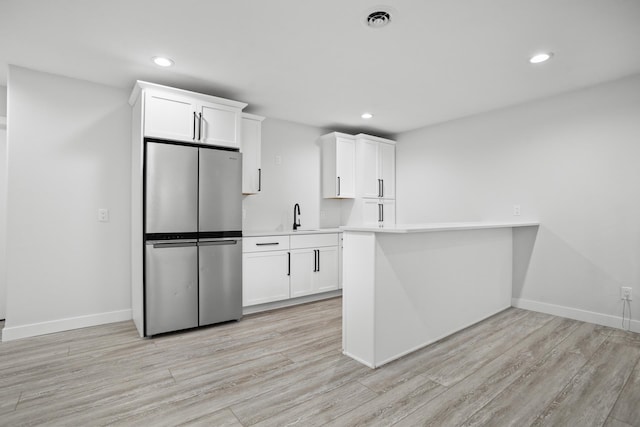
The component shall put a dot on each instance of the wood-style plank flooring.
(285, 368)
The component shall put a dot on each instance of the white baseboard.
(289, 302)
(575, 314)
(35, 329)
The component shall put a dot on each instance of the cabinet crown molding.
(142, 85)
(374, 138)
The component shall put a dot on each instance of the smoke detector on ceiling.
(378, 18)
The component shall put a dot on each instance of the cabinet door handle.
(379, 213)
(195, 117)
(288, 263)
(338, 186)
(200, 128)
(259, 179)
(382, 213)
(379, 188)
(318, 252)
(314, 261)
(268, 244)
(382, 188)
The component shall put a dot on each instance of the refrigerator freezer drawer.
(220, 274)
(171, 287)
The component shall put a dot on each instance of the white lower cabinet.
(265, 277)
(277, 268)
(314, 271)
(265, 269)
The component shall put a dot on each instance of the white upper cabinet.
(251, 146)
(375, 164)
(180, 115)
(338, 166)
(387, 164)
(219, 125)
(168, 116)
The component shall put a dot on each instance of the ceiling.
(316, 62)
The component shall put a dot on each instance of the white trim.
(575, 314)
(290, 302)
(34, 329)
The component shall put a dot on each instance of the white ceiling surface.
(315, 62)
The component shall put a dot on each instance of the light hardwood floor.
(285, 367)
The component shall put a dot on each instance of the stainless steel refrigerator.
(193, 236)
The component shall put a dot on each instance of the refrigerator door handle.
(218, 243)
(160, 245)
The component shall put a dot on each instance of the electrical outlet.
(278, 159)
(625, 293)
(103, 215)
(516, 210)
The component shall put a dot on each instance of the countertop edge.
(290, 232)
(426, 228)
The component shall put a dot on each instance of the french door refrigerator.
(193, 236)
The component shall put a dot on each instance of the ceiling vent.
(378, 19)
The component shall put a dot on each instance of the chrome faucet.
(296, 220)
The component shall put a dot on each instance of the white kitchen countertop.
(259, 233)
(443, 226)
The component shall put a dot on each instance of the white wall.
(296, 179)
(572, 162)
(69, 154)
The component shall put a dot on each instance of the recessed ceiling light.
(162, 61)
(541, 57)
(366, 115)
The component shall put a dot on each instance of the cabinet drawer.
(313, 240)
(265, 243)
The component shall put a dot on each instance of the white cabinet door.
(345, 168)
(388, 211)
(338, 166)
(370, 211)
(265, 277)
(367, 167)
(303, 270)
(378, 211)
(167, 116)
(250, 146)
(326, 277)
(387, 170)
(314, 271)
(220, 125)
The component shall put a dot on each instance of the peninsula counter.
(407, 286)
